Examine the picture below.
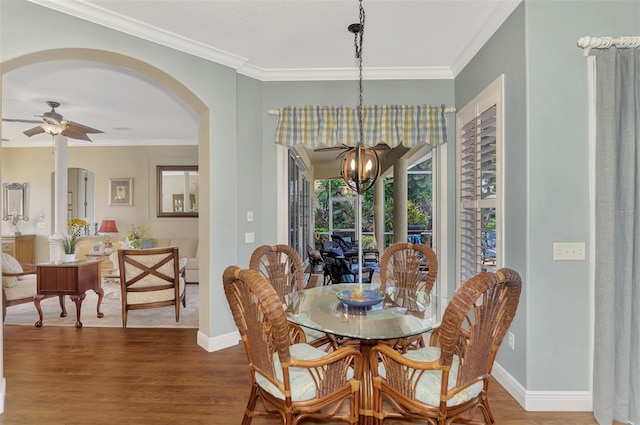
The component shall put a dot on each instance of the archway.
(166, 82)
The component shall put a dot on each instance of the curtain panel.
(320, 126)
(616, 381)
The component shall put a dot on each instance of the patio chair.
(295, 382)
(447, 382)
(338, 270)
(151, 278)
(282, 267)
(411, 266)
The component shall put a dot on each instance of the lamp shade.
(108, 226)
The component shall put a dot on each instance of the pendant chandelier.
(360, 166)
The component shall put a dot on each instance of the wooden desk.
(73, 279)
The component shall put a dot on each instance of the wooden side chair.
(294, 381)
(151, 278)
(20, 284)
(411, 266)
(282, 267)
(447, 382)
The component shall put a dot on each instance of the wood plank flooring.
(91, 376)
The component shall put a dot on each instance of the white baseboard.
(543, 401)
(3, 391)
(220, 342)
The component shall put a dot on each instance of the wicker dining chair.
(411, 266)
(447, 382)
(282, 266)
(294, 381)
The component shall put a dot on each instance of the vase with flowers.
(136, 234)
(76, 225)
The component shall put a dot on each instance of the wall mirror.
(177, 190)
(15, 201)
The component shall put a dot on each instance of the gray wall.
(546, 189)
(504, 54)
(558, 297)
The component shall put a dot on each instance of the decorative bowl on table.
(360, 297)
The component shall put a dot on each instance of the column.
(378, 214)
(400, 193)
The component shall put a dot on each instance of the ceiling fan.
(52, 123)
(344, 148)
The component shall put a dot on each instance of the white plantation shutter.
(479, 184)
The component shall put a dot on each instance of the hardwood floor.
(62, 375)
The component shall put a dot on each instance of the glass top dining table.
(402, 312)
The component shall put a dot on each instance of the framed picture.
(121, 191)
(69, 198)
(96, 249)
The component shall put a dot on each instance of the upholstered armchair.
(20, 284)
(151, 278)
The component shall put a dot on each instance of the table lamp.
(108, 226)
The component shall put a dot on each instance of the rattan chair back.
(413, 266)
(281, 265)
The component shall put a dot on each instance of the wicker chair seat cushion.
(10, 265)
(428, 388)
(25, 287)
(303, 387)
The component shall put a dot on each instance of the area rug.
(162, 317)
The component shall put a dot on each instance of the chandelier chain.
(359, 38)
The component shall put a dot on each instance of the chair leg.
(124, 317)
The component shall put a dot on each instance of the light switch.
(249, 215)
(249, 237)
(563, 251)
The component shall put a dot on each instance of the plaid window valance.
(317, 126)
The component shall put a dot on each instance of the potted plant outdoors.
(68, 243)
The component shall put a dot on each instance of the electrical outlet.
(511, 340)
(563, 251)
(249, 237)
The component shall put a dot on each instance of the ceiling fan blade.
(18, 120)
(5, 140)
(381, 147)
(332, 148)
(76, 135)
(33, 131)
(79, 128)
(342, 154)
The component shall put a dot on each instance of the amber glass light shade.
(360, 168)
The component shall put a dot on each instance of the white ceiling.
(266, 39)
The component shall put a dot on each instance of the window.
(479, 182)
(299, 197)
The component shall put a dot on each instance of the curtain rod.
(588, 43)
(447, 110)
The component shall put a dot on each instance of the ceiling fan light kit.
(53, 124)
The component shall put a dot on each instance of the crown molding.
(98, 15)
(328, 74)
(500, 13)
